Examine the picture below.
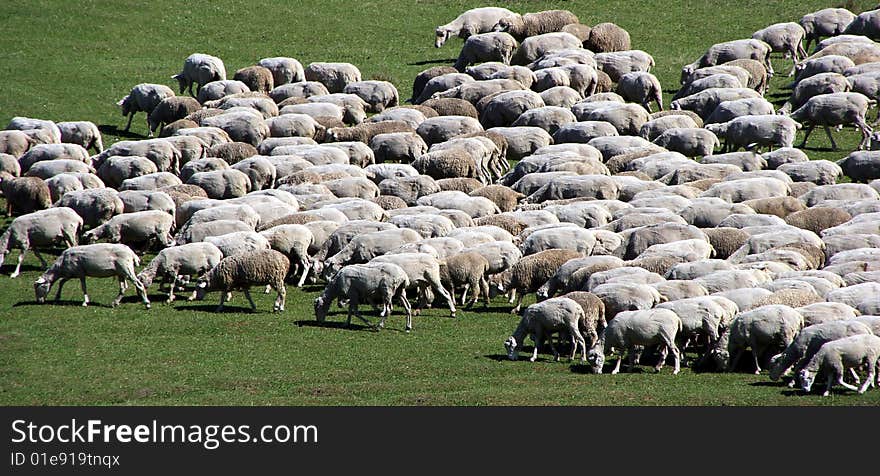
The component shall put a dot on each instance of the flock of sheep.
(632, 232)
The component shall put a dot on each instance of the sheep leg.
(267, 289)
(307, 266)
(518, 304)
(450, 300)
(247, 294)
(512, 296)
(484, 289)
(677, 356)
(223, 297)
(617, 366)
(58, 291)
(855, 376)
(128, 273)
(866, 131)
(538, 337)
(757, 351)
(828, 384)
(735, 360)
(128, 126)
(407, 308)
(807, 135)
(281, 299)
(18, 265)
(828, 133)
(171, 290)
(82, 283)
(869, 380)
(467, 286)
(843, 383)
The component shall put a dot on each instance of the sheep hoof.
(826, 394)
(147, 305)
(758, 372)
(13, 275)
(532, 359)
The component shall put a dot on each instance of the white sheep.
(138, 228)
(176, 262)
(495, 46)
(376, 282)
(638, 328)
(541, 320)
(837, 356)
(294, 241)
(200, 69)
(40, 229)
(101, 261)
(471, 22)
(243, 270)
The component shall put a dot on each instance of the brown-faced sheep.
(725, 240)
(529, 274)
(506, 198)
(366, 131)
(817, 219)
(468, 271)
(452, 107)
(241, 271)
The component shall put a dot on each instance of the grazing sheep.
(200, 69)
(758, 329)
(704, 102)
(730, 110)
(530, 273)
(642, 88)
(467, 270)
(786, 38)
(471, 22)
(241, 271)
(83, 133)
(861, 166)
(619, 63)
(222, 184)
(335, 76)
(372, 283)
(808, 342)
(690, 142)
(834, 110)
(534, 47)
(502, 110)
(606, 38)
(141, 229)
(256, 78)
(533, 24)
(170, 264)
(561, 315)
(365, 132)
(142, 200)
(143, 97)
(731, 50)
(817, 219)
(823, 83)
(837, 356)
(169, 110)
(25, 195)
(496, 46)
(581, 78)
(284, 70)
(101, 261)
(825, 22)
(638, 328)
(40, 229)
(754, 132)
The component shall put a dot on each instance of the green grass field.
(74, 60)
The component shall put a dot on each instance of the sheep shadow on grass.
(116, 131)
(436, 61)
(335, 325)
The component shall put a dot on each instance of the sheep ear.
(40, 280)
(203, 284)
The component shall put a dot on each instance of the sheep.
(505, 108)
(753, 132)
(729, 110)
(171, 264)
(837, 356)
(401, 147)
(150, 181)
(617, 64)
(40, 229)
(832, 110)
(101, 261)
(424, 272)
(861, 166)
(334, 76)
(825, 22)
(501, 255)
(549, 118)
(704, 102)
(15, 143)
(221, 184)
(701, 316)
(628, 119)
(161, 152)
(169, 110)
(690, 142)
(638, 328)
(468, 270)
(143, 97)
(533, 24)
(495, 46)
(721, 53)
(822, 83)
(448, 164)
(136, 228)
(606, 38)
(529, 273)
(241, 271)
(25, 195)
(505, 198)
(409, 189)
(452, 107)
(581, 78)
(817, 219)
(786, 38)
(284, 70)
(522, 141)
(362, 247)
(759, 329)
(371, 282)
(83, 133)
(641, 87)
(365, 132)
(554, 315)
(808, 342)
(471, 22)
(825, 64)
(199, 69)
(534, 47)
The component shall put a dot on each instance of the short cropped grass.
(74, 60)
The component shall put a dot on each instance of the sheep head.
(596, 358)
(510, 346)
(181, 81)
(807, 378)
(201, 289)
(321, 307)
(41, 289)
(440, 36)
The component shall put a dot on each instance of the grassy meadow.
(73, 61)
